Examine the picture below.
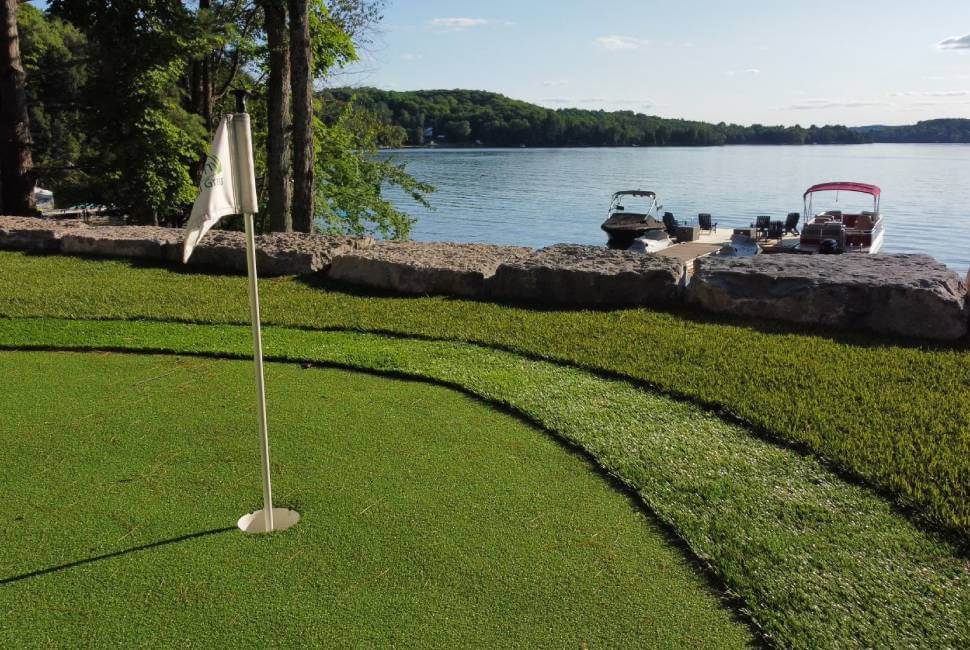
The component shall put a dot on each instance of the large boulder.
(424, 267)
(276, 253)
(909, 295)
(34, 233)
(589, 276)
(299, 253)
(137, 242)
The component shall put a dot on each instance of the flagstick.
(258, 366)
(269, 519)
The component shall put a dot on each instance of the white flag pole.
(268, 519)
(258, 367)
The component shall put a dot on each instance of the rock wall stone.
(908, 295)
(276, 254)
(139, 242)
(588, 276)
(424, 268)
(33, 234)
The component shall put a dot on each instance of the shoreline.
(417, 147)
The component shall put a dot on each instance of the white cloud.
(617, 42)
(955, 43)
(822, 104)
(749, 71)
(932, 93)
(458, 23)
(555, 82)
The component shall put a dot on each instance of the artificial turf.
(819, 562)
(892, 412)
(428, 518)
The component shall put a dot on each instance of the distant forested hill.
(947, 130)
(465, 117)
(471, 116)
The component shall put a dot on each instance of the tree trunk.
(301, 81)
(16, 174)
(206, 81)
(278, 123)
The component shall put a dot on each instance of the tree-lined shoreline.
(473, 117)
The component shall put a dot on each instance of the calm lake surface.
(537, 197)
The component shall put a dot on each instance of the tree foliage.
(124, 94)
(134, 103)
(55, 60)
(351, 176)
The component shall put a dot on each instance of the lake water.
(537, 197)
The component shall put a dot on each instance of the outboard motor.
(829, 247)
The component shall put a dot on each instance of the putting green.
(429, 519)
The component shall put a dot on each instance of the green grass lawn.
(428, 518)
(819, 562)
(894, 413)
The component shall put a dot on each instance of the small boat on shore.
(834, 231)
(633, 222)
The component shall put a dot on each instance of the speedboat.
(632, 222)
(835, 231)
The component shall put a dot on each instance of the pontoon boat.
(835, 231)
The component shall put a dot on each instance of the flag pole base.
(255, 522)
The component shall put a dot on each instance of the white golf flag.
(228, 184)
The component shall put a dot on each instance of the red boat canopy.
(848, 187)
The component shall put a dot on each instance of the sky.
(852, 62)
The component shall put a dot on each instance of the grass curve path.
(892, 412)
(819, 562)
(429, 520)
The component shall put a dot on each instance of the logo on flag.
(217, 196)
(211, 172)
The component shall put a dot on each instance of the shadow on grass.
(108, 556)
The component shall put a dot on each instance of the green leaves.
(351, 177)
(331, 45)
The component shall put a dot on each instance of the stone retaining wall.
(276, 254)
(909, 295)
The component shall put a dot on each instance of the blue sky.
(786, 61)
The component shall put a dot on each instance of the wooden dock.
(711, 242)
(690, 251)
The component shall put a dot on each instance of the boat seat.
(865, 221)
